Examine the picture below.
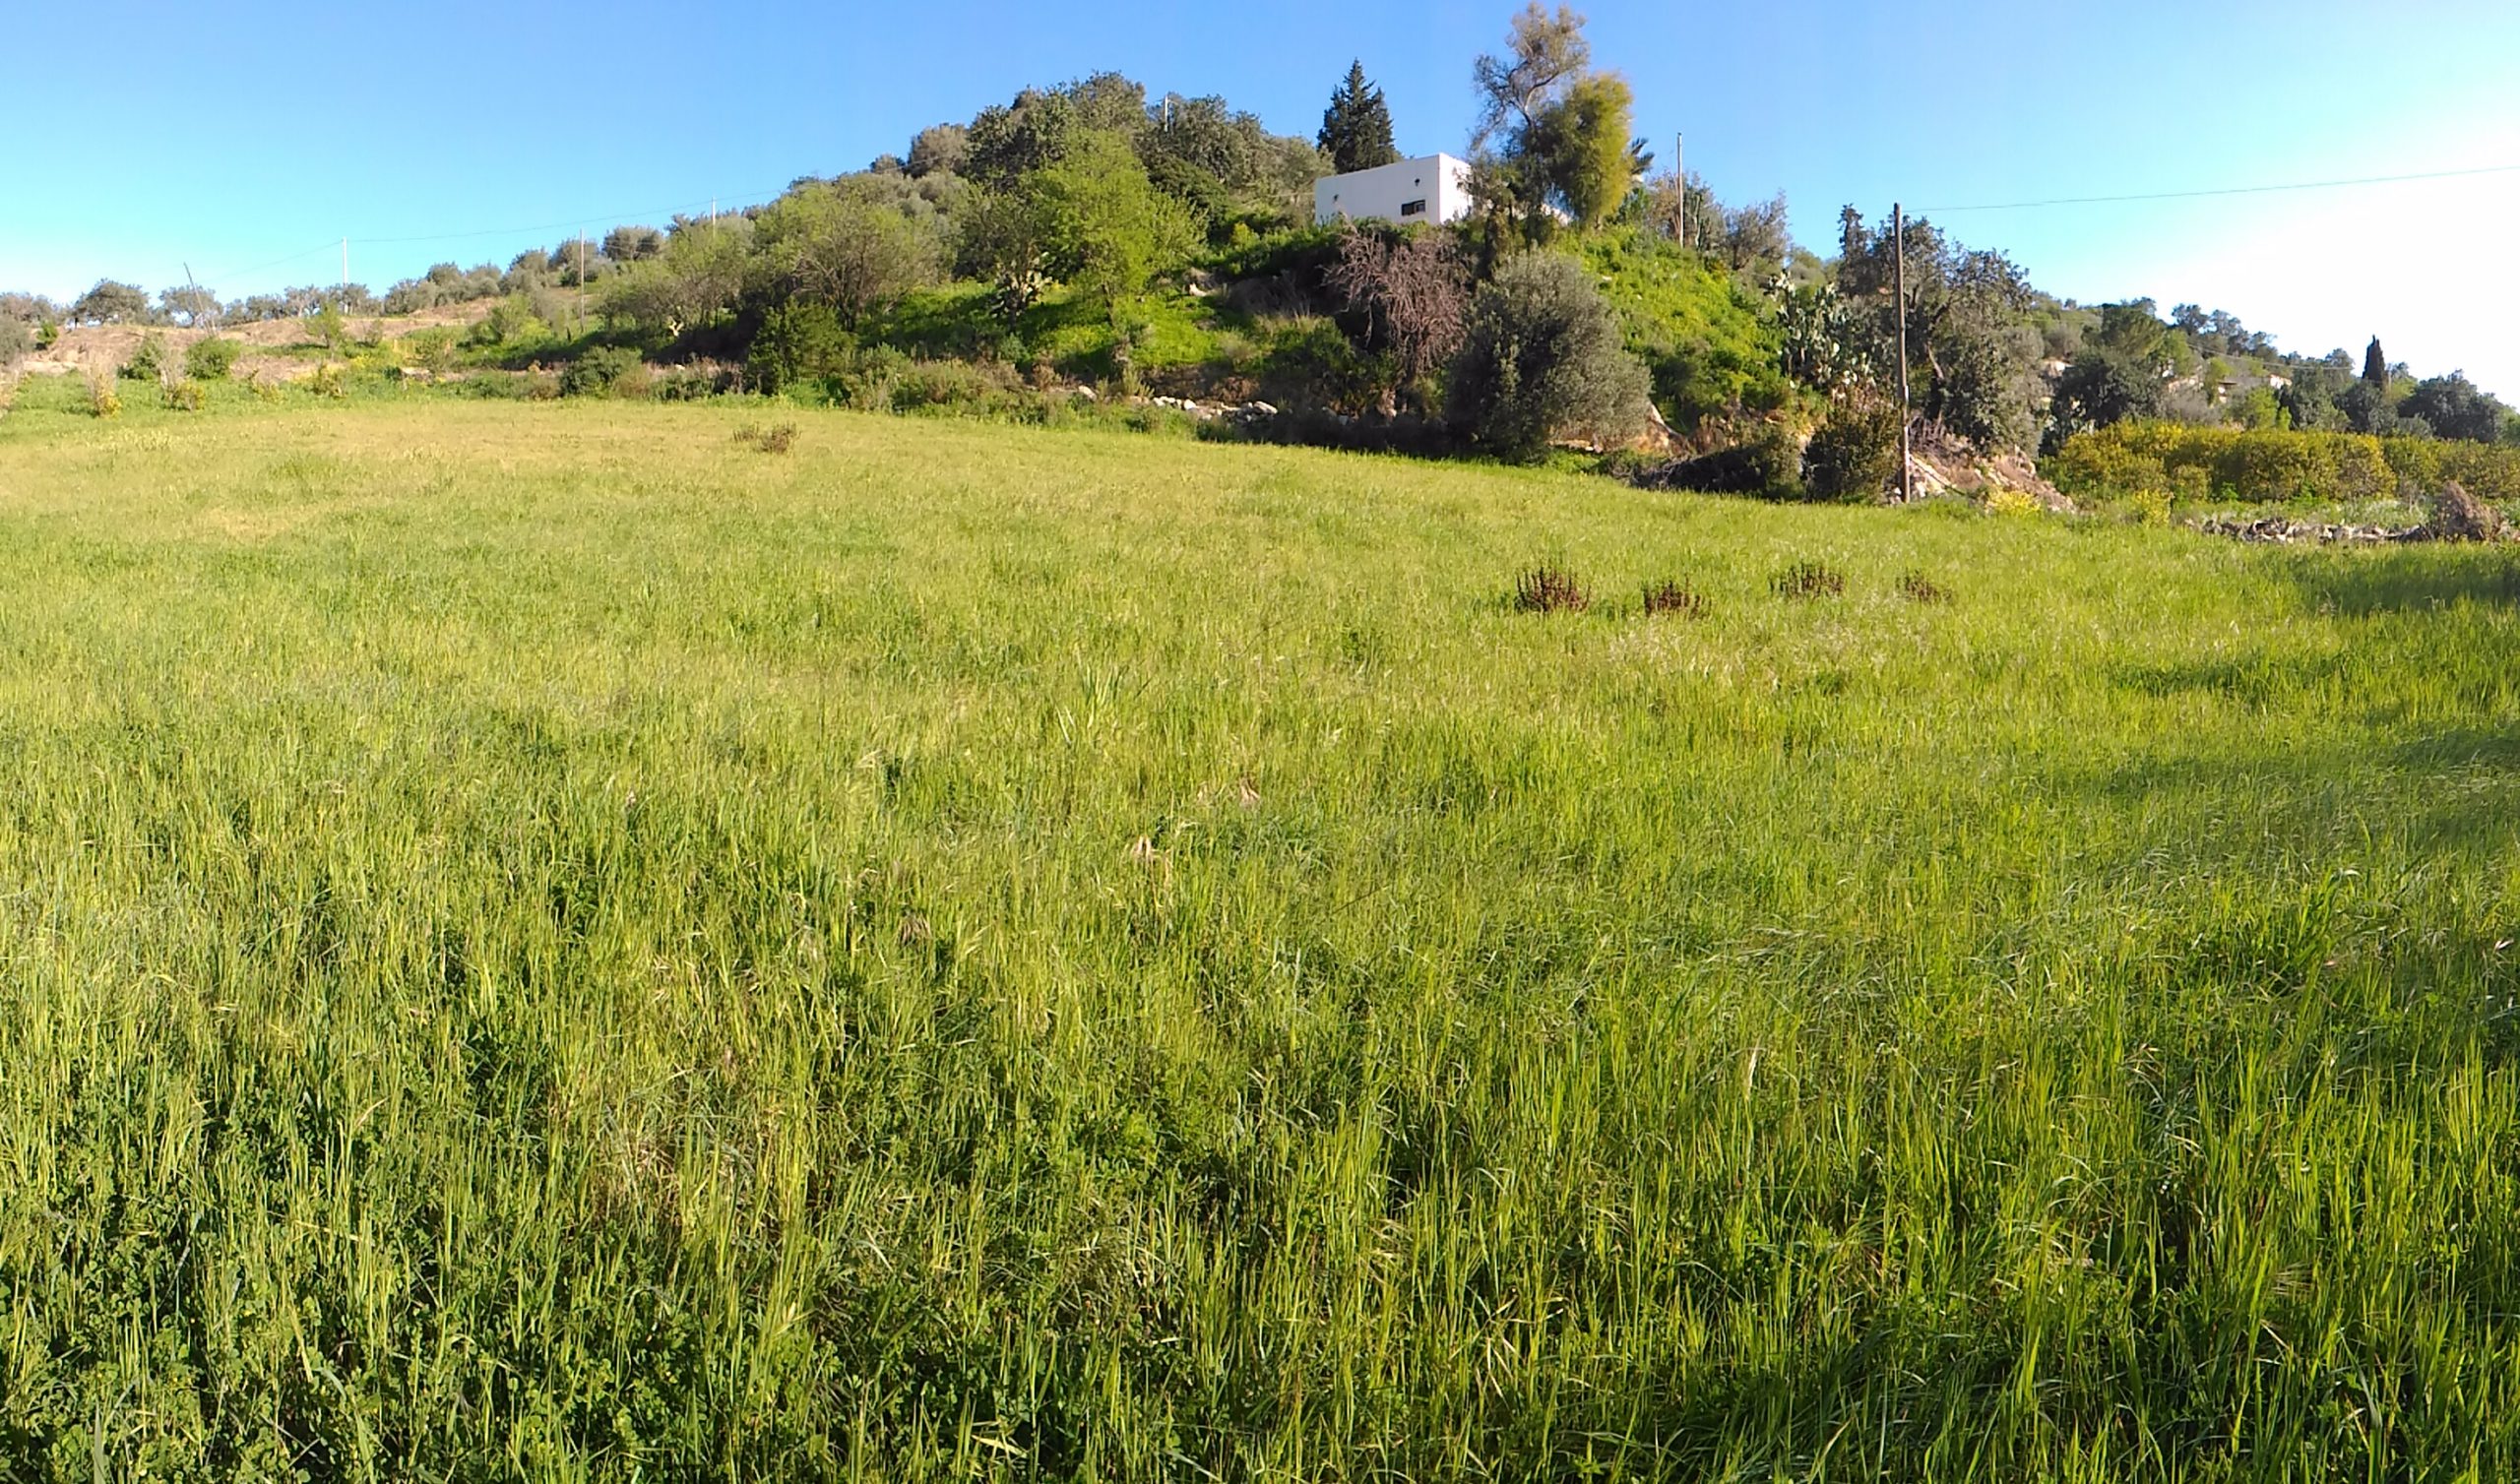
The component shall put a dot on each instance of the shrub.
(1550, 589)
(183, 395)
(798, 343)
(2458, 515)
(1768, 463)
(327, 382)
(599, 371)
(212, 359)
(1855, 454)
(102, 399)
(1809, 580)
(147, 361)
(434, 351)
(2007, 501)
(2269, 466)
(1544, 359)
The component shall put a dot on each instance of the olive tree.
(1542, 358)
(851, 244)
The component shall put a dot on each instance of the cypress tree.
(1355, 132)
(2375, 366)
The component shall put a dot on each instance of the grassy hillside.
(546, 941)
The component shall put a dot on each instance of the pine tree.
(2375, 365)
(1355, 132)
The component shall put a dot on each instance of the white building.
(1433, 189)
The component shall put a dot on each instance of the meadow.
(550, 942)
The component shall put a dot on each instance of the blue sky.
(261, 131)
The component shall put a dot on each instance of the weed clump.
(102, 399)
(2458, 515)
(778, 438)
(1916, 588)
(1809, 580)
(1670, 597)
(1550, 589)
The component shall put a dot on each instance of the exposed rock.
(1948, 466)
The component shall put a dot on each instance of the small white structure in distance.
(1435, 188)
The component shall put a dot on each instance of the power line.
(571, 223)
(233, 273)
(2253, 190)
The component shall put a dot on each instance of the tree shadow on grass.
(2409, 579)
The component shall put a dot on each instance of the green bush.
(598, 372)
(1767, 464)
(212, 359)
(1544, 359)
(798, 343)
(2270, 466)
(148, 361)
(1855, 454)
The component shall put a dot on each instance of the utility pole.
(1907, 420)
(1680, 172)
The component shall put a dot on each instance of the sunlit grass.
(546, 942)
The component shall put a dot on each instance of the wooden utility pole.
(1680, 172)
(1907, 421)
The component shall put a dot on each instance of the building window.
(1412, 208)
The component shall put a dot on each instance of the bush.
(327, 382)
(183, 395)
(2268, 466)
(1544, 359)
(797, 343)
(1855, 454)
(148, 361)
(1768, 463)
(212, 359)
(601, 370)
(434, 351)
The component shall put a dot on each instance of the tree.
(1521, 141)
(633, 244)
(697, 277)
(1411, 290)
(110, 303)
(851, 244)
(1356, 130)
(1544, 55)
(2375, 365)
(1967, 320)
(1582, 146)
(189, 305)
(2456, 407)
(1542, 357)
(2105, 385)
(939, 151)
(1103, 226)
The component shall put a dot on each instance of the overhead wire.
(2249, 190)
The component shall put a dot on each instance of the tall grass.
(535, 942)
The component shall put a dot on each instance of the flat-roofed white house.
(1435, 188)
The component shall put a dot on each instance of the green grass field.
(541, 942)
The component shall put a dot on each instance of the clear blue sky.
(224, 136)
